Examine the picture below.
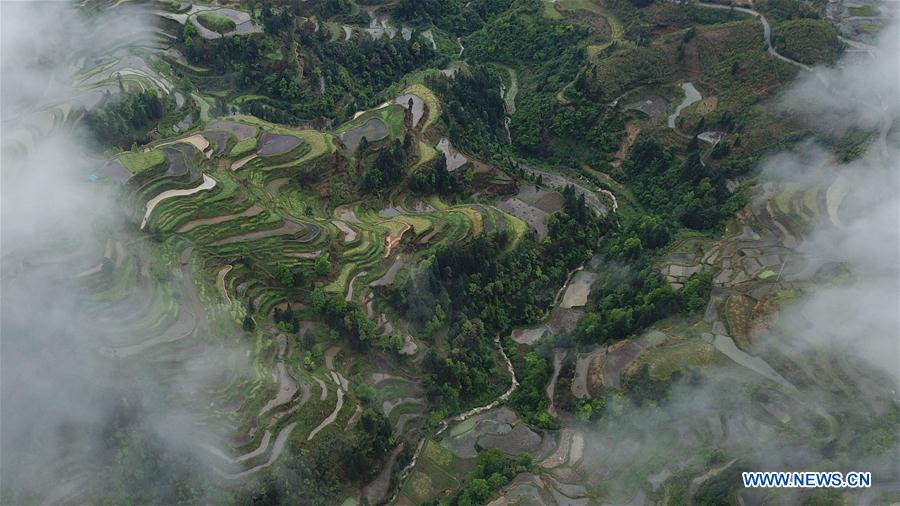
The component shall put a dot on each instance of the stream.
(404, 474)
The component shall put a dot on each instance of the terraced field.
(232, 190)
(270, 273)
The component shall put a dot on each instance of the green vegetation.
(530, 399)
(243, 147)
(517, 38)
(362, 264)
(695, 293)
(626, 69)
(687, 190)
(809, 41)
(139, 161)
(494, 470)
(126, 118)
(474, 118)
(216, 23)
(478, 289)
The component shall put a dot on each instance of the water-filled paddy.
(374, 129)
(276, 144)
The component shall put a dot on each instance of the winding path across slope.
(767, 31)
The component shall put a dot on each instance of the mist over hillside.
(409, 252)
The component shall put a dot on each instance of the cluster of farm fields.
(241, 198)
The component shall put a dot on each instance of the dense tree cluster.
(480, 279)
(347, 318)
(521, 37)
(688, 190)
(388, 167)
(436, 179)
(475, 115)
(632, 292)
(426, 11)
(631, 298)
(466, 373)
(453, 16)
(493, 471)
(530, 400)
(271, 64)
(480, 289)
(121, 118)
(364, 67)
(695, 294)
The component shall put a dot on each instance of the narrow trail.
(509, 98)
(391, 243)
(509, 95)
(445, 423)
(697, 482)
(612, 197)
(631, 133)
(349, 296)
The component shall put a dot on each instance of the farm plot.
(274, 144)
(373, 130)
(535, 218)
(579, 288)
(417, 109)
(454, 158)
(241, 131)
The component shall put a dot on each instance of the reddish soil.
(391, 243)
(631, 134)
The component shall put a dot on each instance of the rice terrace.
(427, 252)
